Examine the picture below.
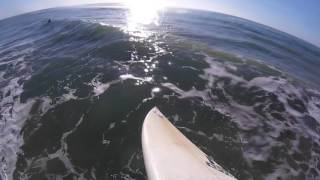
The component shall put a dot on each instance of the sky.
(297, 17)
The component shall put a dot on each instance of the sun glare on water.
(143, 12)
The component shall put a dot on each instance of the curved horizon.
(277, 15)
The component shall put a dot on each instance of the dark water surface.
(74, 93)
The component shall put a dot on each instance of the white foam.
(247, 119)
(99, 87)
(62, 153)
(217, 69)
(314, 104)
(14, 113)
(268, 83)
(130, 76)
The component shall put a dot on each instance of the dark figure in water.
(49, 21)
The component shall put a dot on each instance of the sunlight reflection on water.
(142, 13)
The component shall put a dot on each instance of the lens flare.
(142, 13)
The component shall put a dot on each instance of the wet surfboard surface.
(169, 155)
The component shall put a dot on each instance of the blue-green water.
(74, 93)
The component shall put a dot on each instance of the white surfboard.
(169, 155)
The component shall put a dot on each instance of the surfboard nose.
(169, 155)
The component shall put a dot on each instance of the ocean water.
(74, 93)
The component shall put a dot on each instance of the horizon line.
(169, 6)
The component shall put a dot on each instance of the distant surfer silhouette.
(49, 21)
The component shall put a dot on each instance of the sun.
(144, 11)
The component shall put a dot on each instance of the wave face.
(74, 93)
